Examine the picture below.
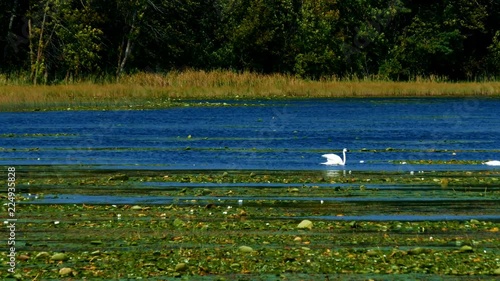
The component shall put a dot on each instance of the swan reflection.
(335, 173)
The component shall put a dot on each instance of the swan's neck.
(344, 157)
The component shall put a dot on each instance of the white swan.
(334, 159)
(492, 163)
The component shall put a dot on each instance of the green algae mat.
(98, 224)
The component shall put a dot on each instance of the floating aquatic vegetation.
(203, 230)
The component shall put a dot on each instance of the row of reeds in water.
(149, 88)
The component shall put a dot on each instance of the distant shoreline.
(154, 91)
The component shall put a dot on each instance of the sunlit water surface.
(383, 135)
(277, 135)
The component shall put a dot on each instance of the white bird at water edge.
(334, 159)
(492, 163)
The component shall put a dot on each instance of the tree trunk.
(122, 59)
(36, 65)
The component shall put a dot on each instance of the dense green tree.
(79, 41)
(368, 30)
(317, 49)
(160, 35)
(398, 39)
(62, 40)
(440, 39)
(179, 35)
(493, 58)
(491, 38)
(13, 34)
(260, 34)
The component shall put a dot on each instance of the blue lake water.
(277, 135)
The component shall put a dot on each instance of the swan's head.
(345, 150)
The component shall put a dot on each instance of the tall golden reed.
(148, 90)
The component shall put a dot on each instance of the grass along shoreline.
(144, 90)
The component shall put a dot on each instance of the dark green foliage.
(396, 39)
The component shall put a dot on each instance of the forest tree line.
(52, 40)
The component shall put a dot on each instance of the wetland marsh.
(218, 192)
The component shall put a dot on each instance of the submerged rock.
(66, 271)
(245, 249)
(373, 253)
(118, 177)
(181, 267)
(42, 255)
(416, 251)
(59, 257)
(305, 224)
(466, 249)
